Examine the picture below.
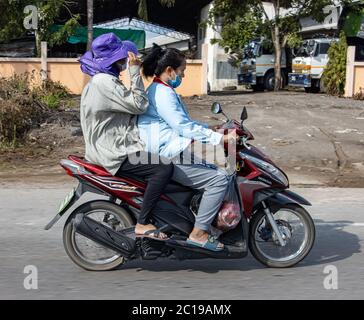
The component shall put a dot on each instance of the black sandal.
(152, 234)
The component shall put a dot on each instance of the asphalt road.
(26, 209)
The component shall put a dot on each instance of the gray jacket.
(108, 118)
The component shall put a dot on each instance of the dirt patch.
(315, 138)
(39, 154)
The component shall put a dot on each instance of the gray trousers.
(198, 174)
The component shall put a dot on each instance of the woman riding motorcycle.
(108, 120)
(167, 129)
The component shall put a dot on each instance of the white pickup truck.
(309, 64)
(257, 67)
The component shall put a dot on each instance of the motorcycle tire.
(69, 234)
(254, 224)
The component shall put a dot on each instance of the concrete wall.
(220, 73)
(67, 72)
(354, 74)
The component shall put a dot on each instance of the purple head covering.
(105, 51)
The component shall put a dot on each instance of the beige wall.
(358, 78)
(354, 74)
(19, 66)
(67, 71)
(192, 82)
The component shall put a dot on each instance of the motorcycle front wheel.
(297, 229)
(86, 253)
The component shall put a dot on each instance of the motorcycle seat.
(173, 187)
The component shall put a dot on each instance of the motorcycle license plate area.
(67, 200)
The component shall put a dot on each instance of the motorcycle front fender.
(287, 197)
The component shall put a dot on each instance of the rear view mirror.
(244, 114)
(216, 108)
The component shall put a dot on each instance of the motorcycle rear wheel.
(283, 262)
(73, 241)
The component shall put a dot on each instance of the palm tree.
(90, 22)
(143, 7)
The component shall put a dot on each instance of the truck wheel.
(269, 81)
(315, 86)
(322, 86)
(308, 90)
(258, 88)
(312, 90)
(315, 89)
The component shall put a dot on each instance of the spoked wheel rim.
(295, 231)
(90, 251)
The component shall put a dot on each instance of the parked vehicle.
(309, 64)
(312, 57)
(257, 67)
(272, 224)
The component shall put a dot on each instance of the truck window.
(324, 48)
(267, 50)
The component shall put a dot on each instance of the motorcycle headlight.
(267, 167)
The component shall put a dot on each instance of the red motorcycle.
(273, 225)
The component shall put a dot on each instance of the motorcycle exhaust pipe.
(104, 236)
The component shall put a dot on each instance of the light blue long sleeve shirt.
(166, 127)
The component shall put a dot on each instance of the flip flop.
(211, 244)
(152, 234)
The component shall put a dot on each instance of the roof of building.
(154, 33)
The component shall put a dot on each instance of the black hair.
(158, 59)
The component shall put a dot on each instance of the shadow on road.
(204, 265)
(332, 244)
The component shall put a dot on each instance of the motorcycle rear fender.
(80, 190)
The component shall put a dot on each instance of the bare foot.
(200, 236)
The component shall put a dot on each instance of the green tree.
(12, 17)
(143, 7)
(239, 21)
(334, 76)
